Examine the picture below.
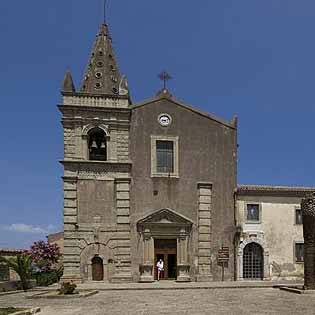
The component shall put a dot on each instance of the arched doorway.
(253, 262)
(97, 269)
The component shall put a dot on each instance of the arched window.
(97, 145)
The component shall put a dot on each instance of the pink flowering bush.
(44, 256)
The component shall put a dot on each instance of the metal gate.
(253, 262)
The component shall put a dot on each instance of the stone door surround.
(258, 238)
(164, 224)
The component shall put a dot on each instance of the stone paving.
(172, 285)
(230, 301)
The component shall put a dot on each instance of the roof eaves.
(11, 250)
(272, 190)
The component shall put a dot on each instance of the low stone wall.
(14, 285)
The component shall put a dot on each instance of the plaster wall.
(278, 229)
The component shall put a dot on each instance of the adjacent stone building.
(269, 242)
(58, 239)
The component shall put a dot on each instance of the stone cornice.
(88, 162)
(103, 170)
(64, 108)
(264, 190)
(68, 121)
(95, 101)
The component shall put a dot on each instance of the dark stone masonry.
(308, 212)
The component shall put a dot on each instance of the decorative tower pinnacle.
(102, 75)
(67, 84)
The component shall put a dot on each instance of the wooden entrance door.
(166, 249)
(97, 269)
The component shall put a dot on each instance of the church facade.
(145, 181)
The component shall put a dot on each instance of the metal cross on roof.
(164, 76)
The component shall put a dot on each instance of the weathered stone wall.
(122, 145)
(69, 142)
(96, 201)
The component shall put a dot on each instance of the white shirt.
(160, 265)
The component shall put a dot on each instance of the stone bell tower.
(96, 121)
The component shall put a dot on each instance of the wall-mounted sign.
(223, 255)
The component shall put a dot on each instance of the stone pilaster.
(112, 145)
(123, 245)
(147, 272)
(71, 257)
(204, 232)
(182, 258)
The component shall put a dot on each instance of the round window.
(164, 120)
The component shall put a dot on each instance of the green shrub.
(44, 279)
(9, 310)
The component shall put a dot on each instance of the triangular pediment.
(172, 101)
(165, 217)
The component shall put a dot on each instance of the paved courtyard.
(191, 301)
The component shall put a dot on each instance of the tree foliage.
(22, 265)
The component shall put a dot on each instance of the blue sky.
(250, 58)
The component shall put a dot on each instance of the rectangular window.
(253, 213)
(164, 156)
(298, 216)
(299, 252)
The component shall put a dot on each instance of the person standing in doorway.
(160, 268)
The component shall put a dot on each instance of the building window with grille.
(298, 216)
(299, 252)
(253, 213)
(164, 156)
(97, 145)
